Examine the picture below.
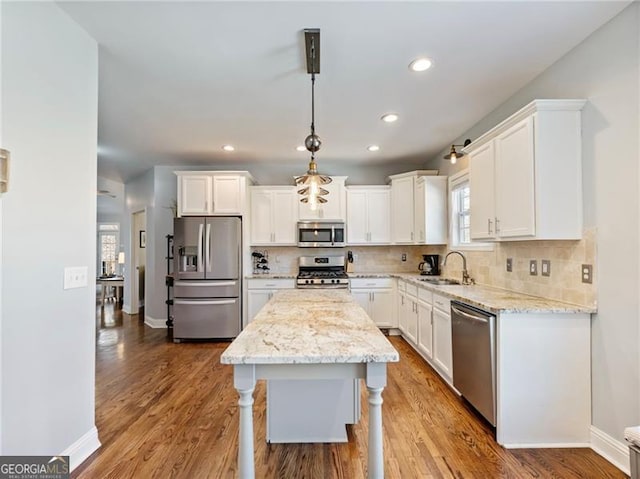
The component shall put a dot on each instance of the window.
(460, 214)
(108, 248)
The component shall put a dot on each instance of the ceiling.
(178, 80)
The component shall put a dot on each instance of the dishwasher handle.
(472, 317)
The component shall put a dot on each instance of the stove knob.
(322, 281)
(306, 281)
(333, 280)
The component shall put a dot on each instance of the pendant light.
(453, 155)
(312, 191)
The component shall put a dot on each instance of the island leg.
(376, 381)
(244, 380)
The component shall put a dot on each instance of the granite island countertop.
(491, 299)
(310, 326)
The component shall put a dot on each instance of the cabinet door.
(425, 329)
(515, 200)
(227, 195)
(412, 320)
(403, 311)
(442, 341)
(284, 216)
(482, 191)
(363, 298)
(419, 211)
(383, 308)
(257, 299)
(378, 215)
(195, 195)
(261, 219)
(402, 210)
(357, 224)
(331, 210)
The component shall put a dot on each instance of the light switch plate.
(533, 267)
(587, 273)
(545, 267)
(509, 265)
(75, 277)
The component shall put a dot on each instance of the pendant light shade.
(311, 183)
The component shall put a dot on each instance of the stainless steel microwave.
(321, 234)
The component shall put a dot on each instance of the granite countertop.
(310, 326)
(271, 276)
(493, 300)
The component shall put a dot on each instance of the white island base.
(311, 411)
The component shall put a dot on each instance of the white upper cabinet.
(273, 215)
(526, 175)
(368, 215)
(212, 193)
(419, 208)
(333, 209)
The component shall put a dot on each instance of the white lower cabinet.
(442, 347)
(424, 320)
(425, 323)
(260, 291)
(377, 298)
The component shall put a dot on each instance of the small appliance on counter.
(430, 266)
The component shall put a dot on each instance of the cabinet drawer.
(441, 302)
(271, 283)
(368, 283)
(425, 295)
(412, 289)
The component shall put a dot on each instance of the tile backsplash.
(485, 267)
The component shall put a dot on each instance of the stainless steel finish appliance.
(430, 265)
(474, 357)
(207, 294)
(322, 272)
(321, 234)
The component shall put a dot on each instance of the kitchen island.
(310, 334)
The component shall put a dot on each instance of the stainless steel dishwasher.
(474, 357)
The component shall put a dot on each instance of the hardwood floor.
(170, 410)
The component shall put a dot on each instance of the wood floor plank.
(166, 410)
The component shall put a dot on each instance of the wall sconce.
(5, 158)
(453, 155)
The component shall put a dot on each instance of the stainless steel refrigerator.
(207, 256)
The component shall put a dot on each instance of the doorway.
(138, 259)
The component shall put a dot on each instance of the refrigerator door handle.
(200, 262)
(207, 242)
(204, 284)
(204, 303)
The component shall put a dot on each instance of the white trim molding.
(614, 451)
(80, 450)
(155, 322)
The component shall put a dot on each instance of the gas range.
(322, 272)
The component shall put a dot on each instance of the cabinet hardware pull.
(412, 236)
(488, 225)
(497, 226)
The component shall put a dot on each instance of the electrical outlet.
(587, 273)
(404, 256)
(509, 265)
(545, 267)
(533, 267)
(75, 277)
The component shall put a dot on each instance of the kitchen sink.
(440, 281)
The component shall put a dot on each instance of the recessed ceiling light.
(373, 147)
(301, 148)
(228, 148)
(420, 64)
(389, 117)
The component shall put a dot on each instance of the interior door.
(222, 246)
(188, 237)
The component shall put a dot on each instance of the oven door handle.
(333, 236)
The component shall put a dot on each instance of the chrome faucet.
(466, 279)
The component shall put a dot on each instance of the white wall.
(49, 122)
(605, 70)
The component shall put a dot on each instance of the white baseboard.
(547, 445)
(614, 451)
(155, 323)
(82, 448)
